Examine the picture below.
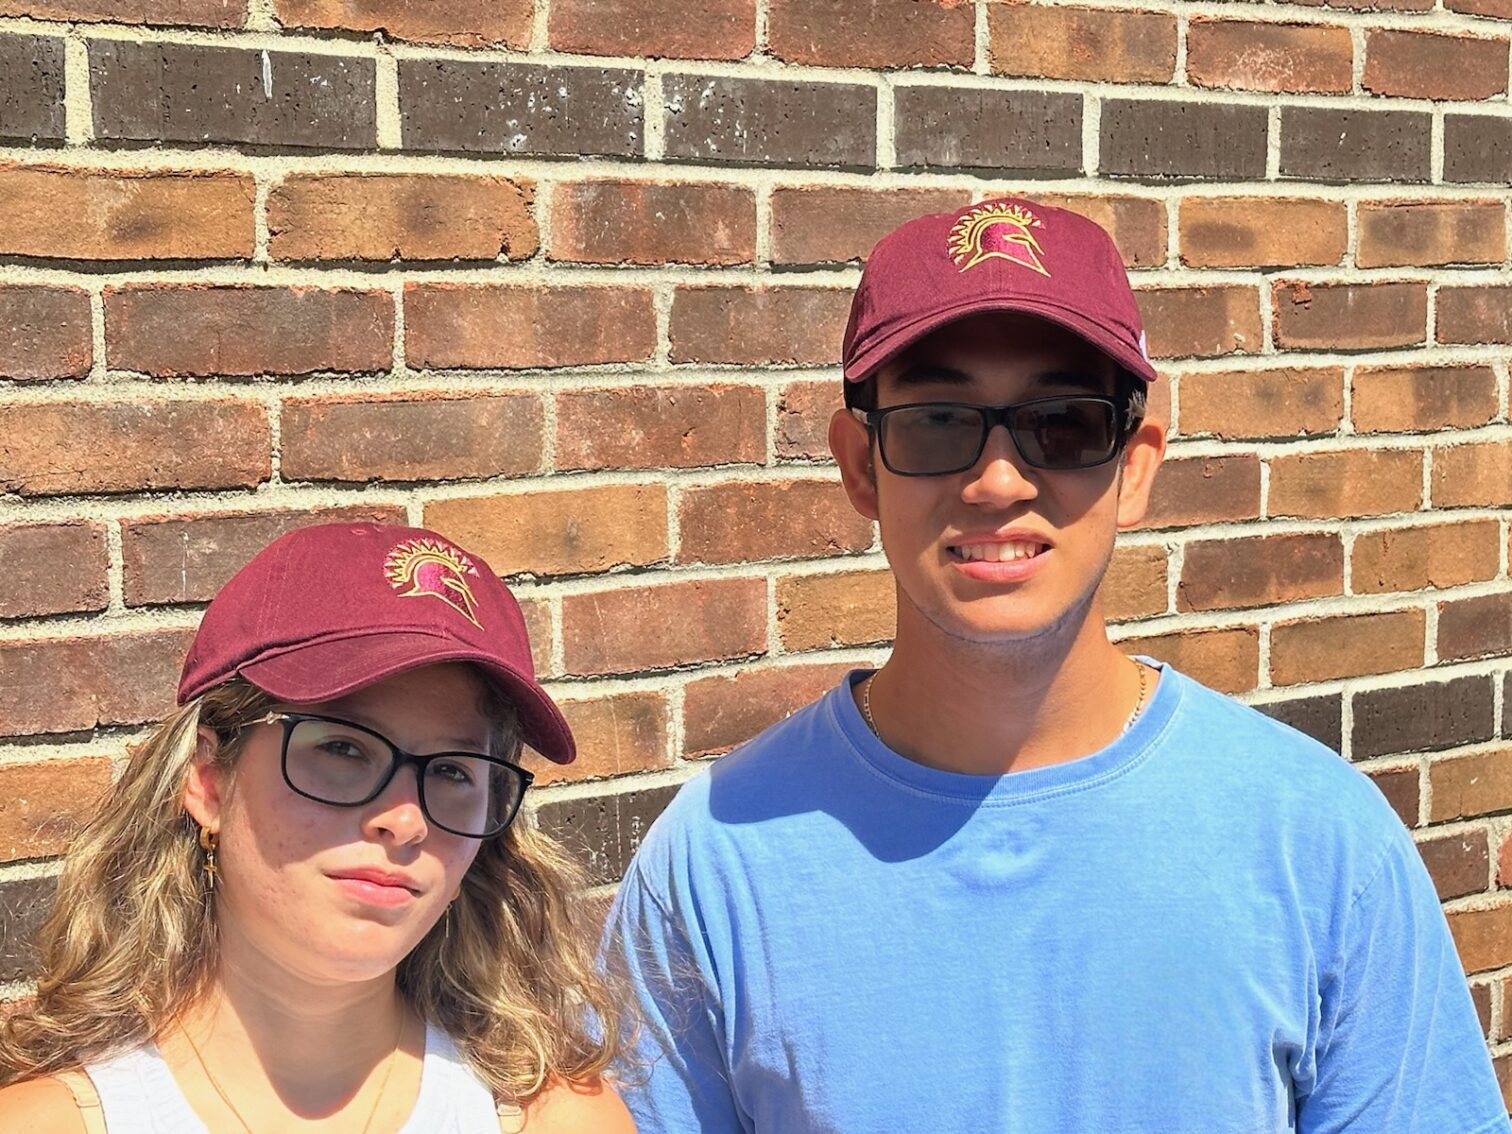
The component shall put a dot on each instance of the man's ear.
(204, 788)
(1142, 455)
(850, 443)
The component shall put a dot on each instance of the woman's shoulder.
(572, 1108)
(43, 1106)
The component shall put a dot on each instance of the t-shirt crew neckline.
(1085, 773)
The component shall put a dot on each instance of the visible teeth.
(999, 552)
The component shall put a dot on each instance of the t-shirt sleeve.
(678, 1082)
(1399, 1045)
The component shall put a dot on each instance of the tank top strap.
(452, 1099)
(139, 1095)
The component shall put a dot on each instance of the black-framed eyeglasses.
(334, 761)
(1079, 431)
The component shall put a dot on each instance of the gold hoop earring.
(208, 840)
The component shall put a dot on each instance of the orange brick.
(635, 222)
(52, 568)
(1205, 490)
(741, 521)
(803, 416)
(616, 735)
(1475, 627)
(782, 326)
(1136, 224)
(1412, 559)
(1262, 232)
(84, 214)
(1290, 402)
(1349, 316)
(872, 33)
(721, 712)
(1135, 584)
(1245, 55)
(1182, 322)
(186, 13)
(515, 326)
(1095, 44)
(837, 608)
(463, 23)
(567, 532)
(537, 613)
(1472, 475)
(722, 29)
(1352, 645)
(1222, 574)
(1484, 940)
(830, 224)
(1419, 64)
(56, 685)
(1421, 399)
(1354, 482)
(1467, 786)
(1431, 233)
(389, 216)
(657, 627)
(45, 332)
(640, 427)
(1475, 315)
(1226, 660)
(42, 806)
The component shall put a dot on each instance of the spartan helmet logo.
(428, 567)
(997, 230)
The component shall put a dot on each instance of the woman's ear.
(205, 785)
(850, 442)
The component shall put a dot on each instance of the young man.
(1016, 880)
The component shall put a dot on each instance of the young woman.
(305, 905)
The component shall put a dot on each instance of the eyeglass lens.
(1052, 433)
(345, 765)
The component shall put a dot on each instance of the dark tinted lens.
(931, 438)
(334, 762)
(469, 795)
(1066, 433)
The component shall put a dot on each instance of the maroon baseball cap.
(325, 610)
(1004, 255)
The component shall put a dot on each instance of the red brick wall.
(565, 279)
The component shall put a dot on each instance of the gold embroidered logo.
(997, 230)
(430, 567)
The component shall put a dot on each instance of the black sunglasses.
(1079, 431)
(334, 761)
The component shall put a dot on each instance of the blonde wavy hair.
(131, 941)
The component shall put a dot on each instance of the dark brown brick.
(660, 427)
(835, 224)
(1474, 315)
(525, 109)
(1475, 627)
(1205, 490)
(200, 94)
(721, 712)
(1402, 788)
(1477, 147)
(1355, 145)
(603, 832)
(1222, 574)
(1367, 5)
(671, 624)
(1062, 41)
(52, 569)
(1491, 9)
(1321, 718)
(1424, 717)
(871, 33)
(24, 904)
(1168, 139)
(462, 23)
(56, 685)
(1367, 316)
(1419, 399)
(635, 222)
(45, 332)
(180, 559)
(741, 325)
(1459, 864)
(31, 88)
(742, 521)
(1032, 132)
(769, 122)
(1415, 64)
(719, 29)
(173, 13)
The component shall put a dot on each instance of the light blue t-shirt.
(1213, 926)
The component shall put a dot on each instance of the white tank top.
(138, 1094)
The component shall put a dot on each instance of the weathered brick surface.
(42, 806)
(1355, 145)
(1418, 64)
(1477, 147)
(1402, 788)
(465, 23)
(1002, 131)
(1459, 863)
(1260, 570)
(1475, 627)
(1181, 322)
(1301, 58)
(53, 568)
(1135, 585)
(1349, 316)
(1473, 475)
(722, 29)
(1321, 718)
(1137, 224)
(1484, 940)
(721, 712)
(1352, 645)
(1471, 785)
(61, 685)
(740, 520)
(1262, 232)
(24, 903)
(635, 222)
(1408, 399)
(604, 831)
(1070, 42)
(1475, 314)
(742, 325)
(871, 33)
(840, 608)
(1171, 139)
(615, 736)
(803, 415)
(31, 88)
(44, 332)
(1204, 490)
(185, 13)
(1353, 482)
(823, 224)
(769, 122)
(1423, 717)
(1431, 233)
(1437, 555)
(1278, 402)
(657, 627)
(660, 427)
(1226, 660)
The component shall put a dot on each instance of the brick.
(400, 216)
(950, 128)
(1262, 232)
(1491, 9)
(522, 326)
(61, 685)
(78, 214)
(1368, 5)
(783, 326)
(524, 109)
(1413, 399)
(53, 569)
(603, 832)
(1167, 139)
(1352, 645)
(1205, 490)
(565, 532)
(45, 332)
(1135, 583)
(1475, 627)
(654, 427)
(1252, 56)
(411, 437)
(1431, 233)
(183, 559)
(1459, 864)
(1320, 144)
(1506, 701)
(658, 627)
(1223, 574)
(1474, 315)
(1136, 224)
(1477, 147)
(200, 94)
(769, 122)
(537, 614)
(1424, 717)
(24, 903)
(1226, 660)
(1402, 788)
(1467, 786)
(1353, 482)
(836, 608)
(1411, 559)
(872, 33)
(31, 88)
(1416, 64)
(172, 13)
(839, 224)
(616, 735)
(1504, 880)
(803, 415)
(1472, 475)
(722, 712)
(1480, 996)
(1283, 402)
(1339, 317)
(43, 805)
(1181, 322)
(743, 521)
(1090, 44)
(131, 446)
(637, 222)
(168, 330)
(462, 23)
(722, 29)
(1321, 718)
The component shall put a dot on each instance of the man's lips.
(1006, 557)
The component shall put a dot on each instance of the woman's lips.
(375, 887)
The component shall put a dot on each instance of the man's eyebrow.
(1074, 379)
(920, 373)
